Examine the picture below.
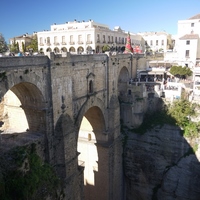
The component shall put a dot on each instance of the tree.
(3, 44)
(105, 48)
(180, 71)
(14, 47)
(34, 44)
(182, 110)
(23, 47)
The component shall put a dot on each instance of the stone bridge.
(56, 94)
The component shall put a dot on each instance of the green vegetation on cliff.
(179, 113)
(182, 111)
(24, 175)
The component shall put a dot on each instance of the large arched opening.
(80, 50)
(122, 82)
(89, 50)
(49, 49)
(64, 49)
(72, 50)
(22, 109)
(93, 157)
(56, 50)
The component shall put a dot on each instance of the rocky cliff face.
(160, 164)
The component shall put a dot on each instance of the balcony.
(98, 41)
(63, 43)
(71, 43)
(80, 42)
(89, 42)
(56, 43)
(48, 44)
(41, 44)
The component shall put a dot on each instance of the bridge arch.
(96, 106)
(93, 155)
(31, 102)
(123, 79)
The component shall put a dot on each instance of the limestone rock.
(158, 166)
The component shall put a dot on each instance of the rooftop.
(195, 17)
(189, 36)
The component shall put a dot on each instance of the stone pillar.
(102, 177)
(74, 180)
(109, 177)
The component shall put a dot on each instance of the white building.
(187, 43)
(157, 41)
(23, 41)
(84, 37)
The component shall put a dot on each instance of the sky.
(18, 17)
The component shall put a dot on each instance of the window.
(119, 40)
(89, 38)
(63, 40)
(55, 40)
(48, 40)
(71, 38)
(162, 42)
(156, 42)
(41, 40)
(104, 38)
(112, 39)
(115, 39)
(80, 39)
(187, 53)
(89, 136)
(122, 40)
(151, 42)
(98, 38)
(188, 42)
(108, 39)
(90, 86)
(192, 24)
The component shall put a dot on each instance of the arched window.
(90, 86)
(89, 136)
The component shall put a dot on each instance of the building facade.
(187, 43)
(157, 41)
(23, 41)
(84, 37)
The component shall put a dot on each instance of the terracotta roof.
(189, 36)
(195, 17)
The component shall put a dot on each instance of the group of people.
(20, 54)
